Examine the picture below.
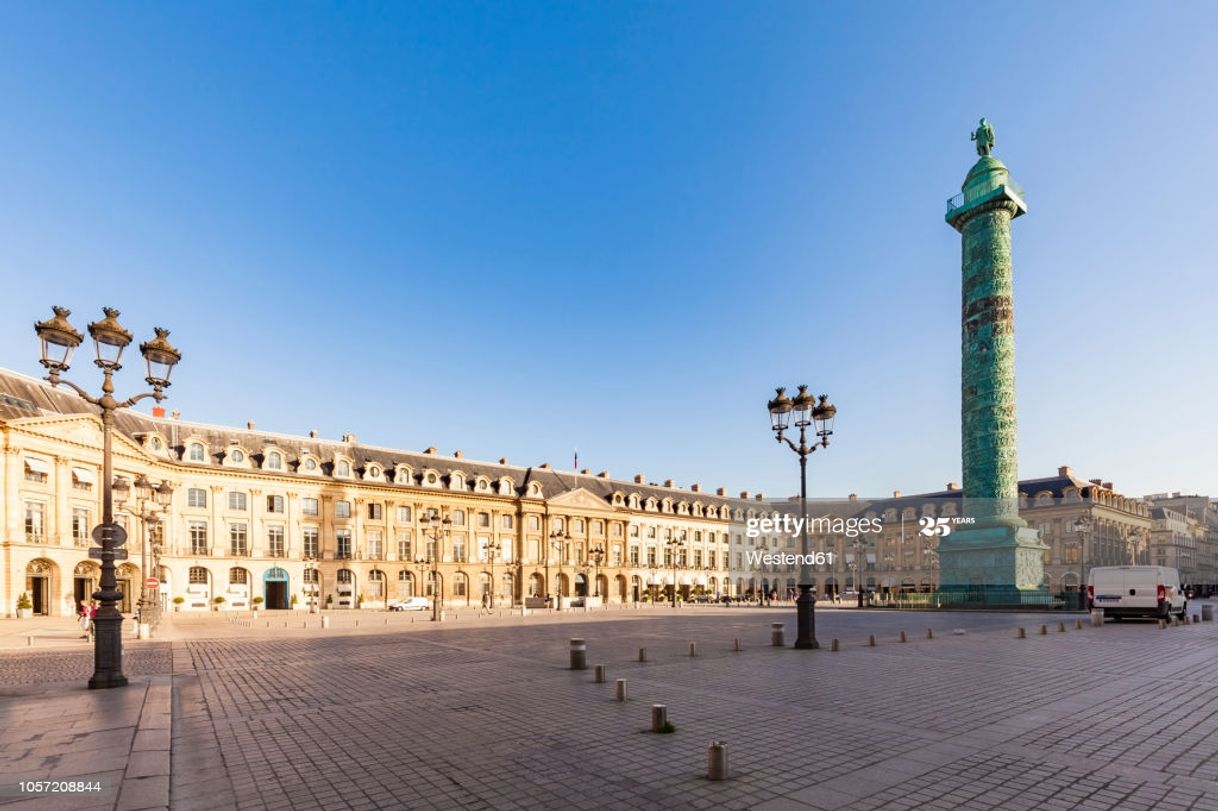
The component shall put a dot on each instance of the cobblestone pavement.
(488, 716)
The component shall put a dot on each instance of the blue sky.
(515, 228)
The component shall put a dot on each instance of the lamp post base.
(805, 619)
(108, 652)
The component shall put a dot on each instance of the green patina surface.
(998, 551)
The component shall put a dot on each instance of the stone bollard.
(1162, 623)
(1061, 627)
(579, 654)
(1044, 629)
(693, 649)
(716, 761)
(902, 637)
(776, 635)
(29, 641)
(659, 717)
(619, 690)
(325, 622)
(930, 633)
(1097, 618)
(736, 645)
(357, 623)
(1078, 625)
(871, 640)
(833, 645)
(1021, 634)
(642, 654)
(600, 674)
(1207, 613)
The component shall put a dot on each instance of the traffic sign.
(151, 583)
(96, 552)
(118, 535)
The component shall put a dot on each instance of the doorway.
(275, 587)
(40, 594)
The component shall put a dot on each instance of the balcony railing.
(963, 198)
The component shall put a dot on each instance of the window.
(651, 557)
(376, 511)
(237, 455)
(274, 542)
(616, 559)
(376, 584)
(274, 504)
(196, 453)
(82, 479)
(634, 556)
(310, 465)
(342, 539)
(534, 522)
(651, 532)
(577, 525)
(405, 550)
(459, 548)
(238, 540)
(345, 576)
(484, 520)
(236, 501)
(404, 514)
(343, 468)
(598, 527)
(507, 522)
(308, 506)
(634, 531)
(376, 545)
(557, 524)
(697, 558)
(198, 576)
(238, 576)
(35, 521)
(310, 575)
(196, 497)
(274, 460)
(80, 526)
(198, 538)
(459, 586)
(310, 543)
(342, 509)
(374, 472)
(458, 517)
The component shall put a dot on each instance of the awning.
(84, 475)
(38, 466)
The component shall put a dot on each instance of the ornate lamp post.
(150, 503)
(558, 542)
(807, 412)
(597, 553)
(437, 528)
(493, 548)
(1082, 526)
(673, 545)
(59, 340)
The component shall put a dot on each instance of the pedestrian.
(84, 619)
(92, 620)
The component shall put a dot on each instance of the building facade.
(293, 520)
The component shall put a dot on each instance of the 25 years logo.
(934, 527)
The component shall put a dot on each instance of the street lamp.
(558, 542)
(493, 548)
(672, 545)
(597, 553)
(150, 503)
(437, 528)
(1082, 526)
(808, 412)
(59, 340)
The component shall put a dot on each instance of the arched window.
(238, 575)
(345, 576)
(310, 464)
(197, 576)
(196, 452)
(237, 455)
(343, 468)
(374, 472)
(456, 481)
(274, 460)
(376, 584)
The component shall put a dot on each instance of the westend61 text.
(788, 559)
(789, 525)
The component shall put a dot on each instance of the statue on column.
(984, 136)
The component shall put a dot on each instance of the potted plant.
(257, 603)
(294, 601)
(359, 601)
(329, 600)
(177, 602)
(218, 601)
(25, 607)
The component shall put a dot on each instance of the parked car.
(1136, 591)
(410, 604)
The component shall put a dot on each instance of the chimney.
(604, 474)
(695, 488)
(854, 497)
(312, 433)
(503, 460)
(952, 487)
(1097, 482)
(744, 493)
(639, 478)
(177, 415)
(1065, 471)
(544, 465)
(457, 454)
(670, 483)
(722, 491)
(760, 496)
(349, 439)
(158, 411)
(1107, 485)
(584, 471)
(896, 493)
(249, 424)
(430, 450)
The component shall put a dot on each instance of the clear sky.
(518, 228)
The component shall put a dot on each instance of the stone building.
(293, 519)
(1185, 536)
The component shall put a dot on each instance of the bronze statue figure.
(984, 136)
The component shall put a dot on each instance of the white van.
(1136, 591)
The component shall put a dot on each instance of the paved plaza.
(483, 713)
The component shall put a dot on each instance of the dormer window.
(237, 455)
(374, 472)
(456, 481)
(196, 452)
(342, 468)
(155, 443)
(310, 465)
(505, 487)
(274, 460)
